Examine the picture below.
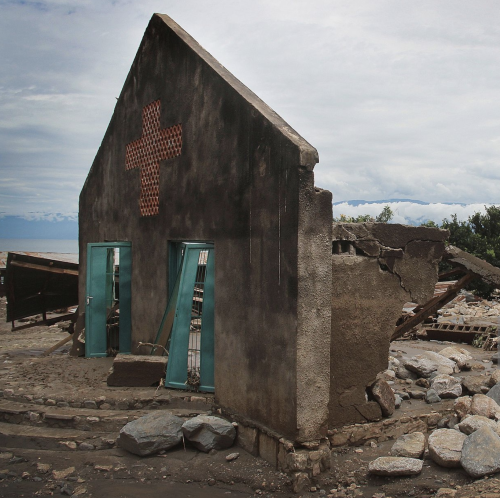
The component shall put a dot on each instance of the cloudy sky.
(401, 98)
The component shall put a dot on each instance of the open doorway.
(108, 299)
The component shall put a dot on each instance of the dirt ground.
(183, 472)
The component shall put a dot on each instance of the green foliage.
(384, 217)
(480, 236)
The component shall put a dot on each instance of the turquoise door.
(191, 350)
(108, 299)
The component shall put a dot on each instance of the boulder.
(481, 452)
(462, 406)
(459, 355)
(445, 447)
(494, 393)
(483, 405)
(472, 423)
(446, 386)
(152, 433)
(384, 396)
(207, 432)
(395, 466)
(409, 445)
(432, 396)
(475, 384)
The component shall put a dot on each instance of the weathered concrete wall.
(242, 180)
(376, 269)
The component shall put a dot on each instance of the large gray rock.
(446, 386)
(495, 378)
(432, 396)
(481, 453)
(395, 466)
(423, 367)
(384, 396)
(403, 373)
(445, 365)
(459, 355)
(409, 445)
(207, 433)
(152, 433)
(472, 423)
(445, 447)
(494, 393)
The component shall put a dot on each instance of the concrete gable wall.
(238, 183)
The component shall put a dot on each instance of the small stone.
(62, 404)
(50, 402)
(395, 466)
(43, 468)
(208, 432)
(423, 383)
(6, 455)
(34, 417)
(103, 468)
(25, 475)
(409, 445)
(417, 394)
(60, 475)
(459, 355)
(86, 447)
(445, 447)
(90, 404)
(474, 384)
(122, 405)
(398, 400)
(431, 396)
(445, 493)
(69, 444)
(93, 420)
(300, 482)
(105, 406)
(232, 456)
(384, 396)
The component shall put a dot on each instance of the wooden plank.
(431, 307)
(58, 345)
(34, 266)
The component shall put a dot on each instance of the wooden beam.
(58, 345)
(432, 306)
(52, 269)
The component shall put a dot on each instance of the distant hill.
(39, 226)
(407, 211)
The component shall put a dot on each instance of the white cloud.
(398, 98)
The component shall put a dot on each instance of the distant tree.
(384, 217)
(480, 236)
(430, 224)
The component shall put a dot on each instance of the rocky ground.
(59, 423)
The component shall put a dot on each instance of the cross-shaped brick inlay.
(154, 146)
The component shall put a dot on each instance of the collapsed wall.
(376, 267)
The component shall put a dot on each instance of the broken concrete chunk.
(472, 423)
(384, 396)
(137, 370)
(395, 466)
(481, 453)
(445, 447)
(207, 432)
(152, 433)
(446, 386)
(409, 445)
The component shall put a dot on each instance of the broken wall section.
(376, 268)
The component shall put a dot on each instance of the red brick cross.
(154, 146)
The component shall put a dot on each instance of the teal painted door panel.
(100, 297)
(191, 347)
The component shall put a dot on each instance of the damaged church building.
(201, 231)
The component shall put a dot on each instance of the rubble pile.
(468, 310)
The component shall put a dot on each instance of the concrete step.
(47, 438)
(89, 420)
